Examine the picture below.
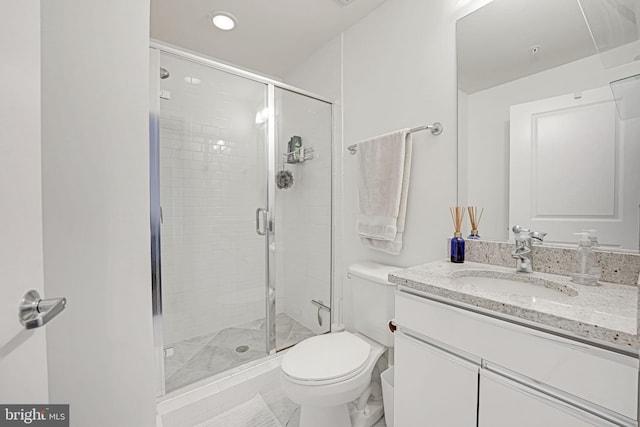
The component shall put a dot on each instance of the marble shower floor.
(208, 355)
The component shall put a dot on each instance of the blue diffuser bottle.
(457, 248)
(457, 242)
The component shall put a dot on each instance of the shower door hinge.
(165, 94)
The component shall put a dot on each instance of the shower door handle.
(260, 212)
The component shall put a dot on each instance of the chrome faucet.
(523, 252)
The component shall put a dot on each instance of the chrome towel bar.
(436, 129)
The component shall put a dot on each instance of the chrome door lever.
(35, 312)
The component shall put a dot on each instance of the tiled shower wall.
(212, 181)
(212, 139)
(303, 212)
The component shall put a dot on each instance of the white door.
(504, 403)
(573, 166)
(23, 362)
(432, 388)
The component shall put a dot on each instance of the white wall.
(463, 150)
(95, 156)
(398, 67)
(399, 71)
(487, 135)
(23, 363)
(211, 182)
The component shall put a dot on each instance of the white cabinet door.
(573, 166)
(433, 387)
(605, 378)
(504, 403)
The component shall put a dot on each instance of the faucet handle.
(538, 235)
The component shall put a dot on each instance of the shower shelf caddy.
(299, 156)
(297, 153)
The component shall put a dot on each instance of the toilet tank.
(373, 300)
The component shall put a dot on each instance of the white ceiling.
(494, 43)
(271, 36)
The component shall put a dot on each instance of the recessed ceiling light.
(223, 20)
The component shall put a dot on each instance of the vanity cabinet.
(452, 362)
(437, 386)
(506, 403)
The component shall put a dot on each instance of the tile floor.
(207, 355)
(287, 412)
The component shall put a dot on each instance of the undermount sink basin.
(513, 283)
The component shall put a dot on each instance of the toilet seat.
(326, 359)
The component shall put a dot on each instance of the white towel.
(384, 168)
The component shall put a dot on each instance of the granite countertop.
(606, 312)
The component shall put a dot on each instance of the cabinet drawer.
(599, 376)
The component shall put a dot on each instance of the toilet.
(330, 376)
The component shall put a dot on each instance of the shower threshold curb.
(216, 384)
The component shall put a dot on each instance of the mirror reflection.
(541, 143)
(615, 28)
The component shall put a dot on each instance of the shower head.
(164, 73)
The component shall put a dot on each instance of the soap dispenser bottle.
(585, 270)
(593, 237)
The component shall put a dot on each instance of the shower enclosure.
(240, 216)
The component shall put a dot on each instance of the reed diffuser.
(457, 242)
(475, 221)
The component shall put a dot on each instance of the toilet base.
(342, 415)
(317, 416)
(369, 415)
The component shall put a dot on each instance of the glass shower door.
(302, 217)
(213, 196)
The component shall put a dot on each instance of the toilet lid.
(326, 357)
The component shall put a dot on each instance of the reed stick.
(457, 215)
(474, 217)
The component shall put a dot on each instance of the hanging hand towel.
(384, 166)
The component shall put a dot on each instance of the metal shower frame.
(271, 168)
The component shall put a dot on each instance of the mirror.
(540, 140)
(615, 28)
